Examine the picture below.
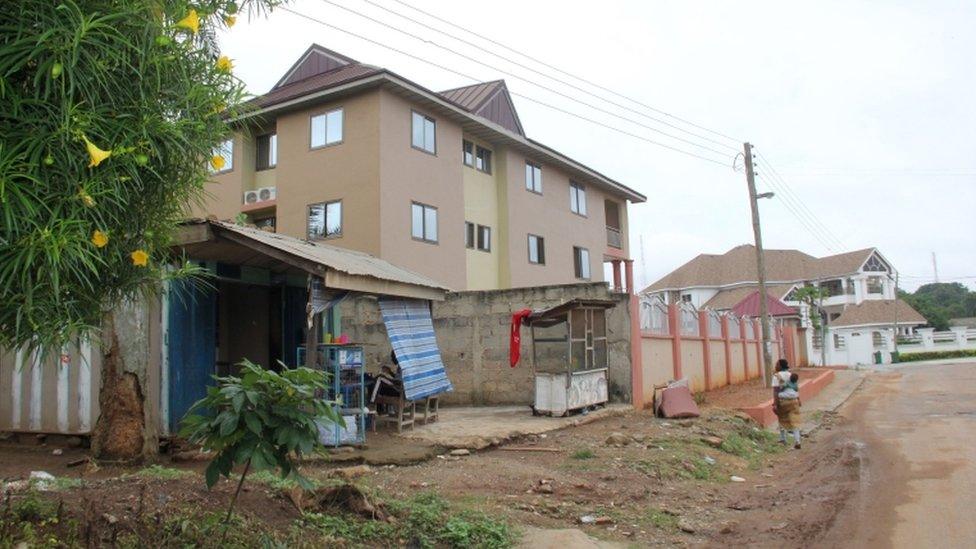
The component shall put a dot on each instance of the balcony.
(613, 238)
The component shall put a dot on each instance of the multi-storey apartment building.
(442, 183)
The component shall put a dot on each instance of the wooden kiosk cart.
(569, 356)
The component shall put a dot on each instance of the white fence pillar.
(960, 333)
(928, 337)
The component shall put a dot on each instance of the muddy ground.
(652, 483)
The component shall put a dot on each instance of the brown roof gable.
(490, 100)
(739, 265)
(877, 311)
(727, 299)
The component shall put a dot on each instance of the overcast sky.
(867, 110)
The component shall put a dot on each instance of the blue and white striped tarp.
(411, 333)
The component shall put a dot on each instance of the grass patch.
(662, 520)
(425, 520)
(584, 453)
(65, 483)
(158, 472)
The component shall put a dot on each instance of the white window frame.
(226, 151)
(327, 139)
(577, 198)
(325, 220)
(540, 249)
(431, 147)
(482, 159)
(533, 177)
(581, 263)
(425, 232)
(483, 238)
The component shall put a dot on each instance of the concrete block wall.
(472, 330)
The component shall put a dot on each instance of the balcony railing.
(613, 238)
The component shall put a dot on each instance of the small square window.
(467, 156)
(537, 250)
(483, 160)
(423, 222)
(226, 151)
(581, 262)
(324, 220)
(533, 178)
(327, 128)
(423, 133)
(484, 238)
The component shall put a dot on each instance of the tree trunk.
(125, 429)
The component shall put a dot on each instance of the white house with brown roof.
(859, 309)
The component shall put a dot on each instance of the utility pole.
(894, 304)
(935, 268)
(760, 264)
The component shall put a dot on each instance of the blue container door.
(192, 346)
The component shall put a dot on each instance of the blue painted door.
(191, 345)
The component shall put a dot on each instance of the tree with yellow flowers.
(109, 113)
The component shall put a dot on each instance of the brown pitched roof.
(490, 100)
(727, 299)
(750, 306)
(877, 311)
(321, 71)
(739, 265)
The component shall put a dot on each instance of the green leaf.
(228, 424)
(212, 474)
(253, 423)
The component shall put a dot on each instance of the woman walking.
(786, 402)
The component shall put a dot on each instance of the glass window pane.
(542, 250)
(533, 249)
(316, 221)
(581, 200)
(430, 224)
(417, 130)
(334, 129)
(486, 238)
(572, 198)
(585, 263)
(468, 153)
(273, 150)
(429, 137)
(417, 222)
(537, 178)
(468, 234)
(333, 218)
(528, 177)
(318, 130)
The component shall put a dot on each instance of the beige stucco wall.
(549, 216)
(481, 208)
(716, 350)
(658, 364)
(738, 366)
(693, 364)
(407, 175)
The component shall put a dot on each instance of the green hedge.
(935, 355)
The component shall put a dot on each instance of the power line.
(790, 193)
(557, 69)
(469, 77)
(801, 220)
(524, 79)
(544, 75)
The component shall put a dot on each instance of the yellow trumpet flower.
(95, 154)
(139, 258)
(99, 239)
(86, 198)
(224, 64)
(218, 162)
(230, 20)
(191, 22)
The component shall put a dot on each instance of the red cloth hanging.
(515, 343)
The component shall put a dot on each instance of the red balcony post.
(617, 285)
(629, 267)
(706, 351)
(674, 326)
(727, 343)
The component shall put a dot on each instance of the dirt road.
(917, 425)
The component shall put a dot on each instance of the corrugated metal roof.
(726, 299)
(473, 97)
(315, 83)
(350, 262)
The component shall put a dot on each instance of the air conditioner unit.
(267, 193)
(250, 197)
